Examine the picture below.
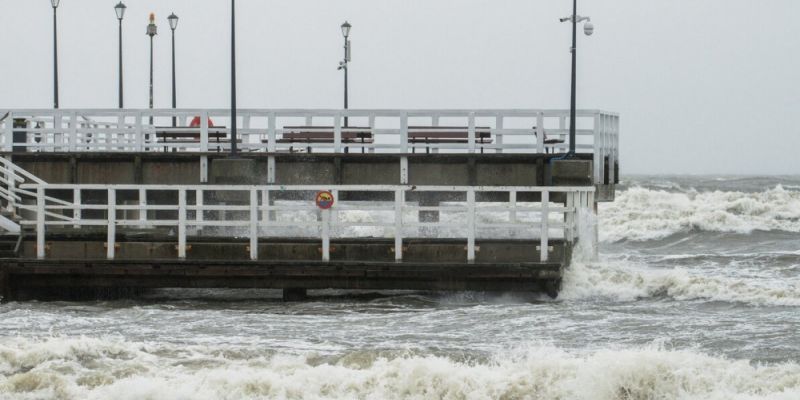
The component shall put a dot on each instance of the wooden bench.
(324, 134)
(190, 135)
(447, 134)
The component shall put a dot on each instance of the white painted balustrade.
(276, 131)
(255, 212)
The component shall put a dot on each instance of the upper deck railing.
(306, 130)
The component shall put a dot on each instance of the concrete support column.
(295, 294)
(5, 286)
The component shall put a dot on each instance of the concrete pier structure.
(102, 200)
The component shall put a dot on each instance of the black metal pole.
(345, 80)
(574, 66)
(174, 97)
(151, 78)
(233, 79)
(120, 65)
(55, 58)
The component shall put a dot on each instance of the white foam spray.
(82, 368)
(641, 214)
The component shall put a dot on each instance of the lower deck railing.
(258, 212)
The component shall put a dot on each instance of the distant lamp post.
(173, 24)
(54, 3)
(233, 79)
(152, 30)
(120, 10)
(588, 29)
(344, 63)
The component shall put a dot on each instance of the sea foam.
(83, 368)
(641, 214)
(625, 281)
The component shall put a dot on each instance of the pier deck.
(98, 201)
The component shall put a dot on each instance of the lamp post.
(152, 30)
(120, 10)
(173, 23)
(233, 79)
(588, 29)
(54, 3)
(344, 63)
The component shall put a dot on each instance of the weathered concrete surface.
(323, 169)
(354, 250)
(571, 172)
(58, 279)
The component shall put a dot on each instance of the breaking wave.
(641, 214)
(83, 368)
(626, 281)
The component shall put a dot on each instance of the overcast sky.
(702, 86)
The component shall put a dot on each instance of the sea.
(695, 295)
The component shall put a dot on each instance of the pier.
(105, 201)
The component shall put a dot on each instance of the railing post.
(271, 146)
(326, 231)
(140, 139)
(181, 223)
(598, 161)
(404, 133)
(337, 133)
(499, 135)
(198, 202)
(271, 133)
(471, 225)
(73, 132)
(569, 228)
(543, 240)
(8, 134)
(253, 224)
(142, 207)
(471, 133)
(57, 133)
(112, 224)
(40, 226)
(540, 133)
(121, 131)
(76, 210)
(512, 202)
(204, 131)
(399, 200)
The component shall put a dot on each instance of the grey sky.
(705, 86)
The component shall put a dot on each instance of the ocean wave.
(625, 281)
(641, 214)
(88, 368)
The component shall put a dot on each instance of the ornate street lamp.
(54, 3)
(120, 10)
(152, 30)
(344, 63)
(233, 79)
(588, 29)
(173, 24)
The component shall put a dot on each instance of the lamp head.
(173, 21)
(346, 29)
(54, 3)
(120, 10)
(588, 28)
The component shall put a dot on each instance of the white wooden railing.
(263, 130)
(255, 212)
